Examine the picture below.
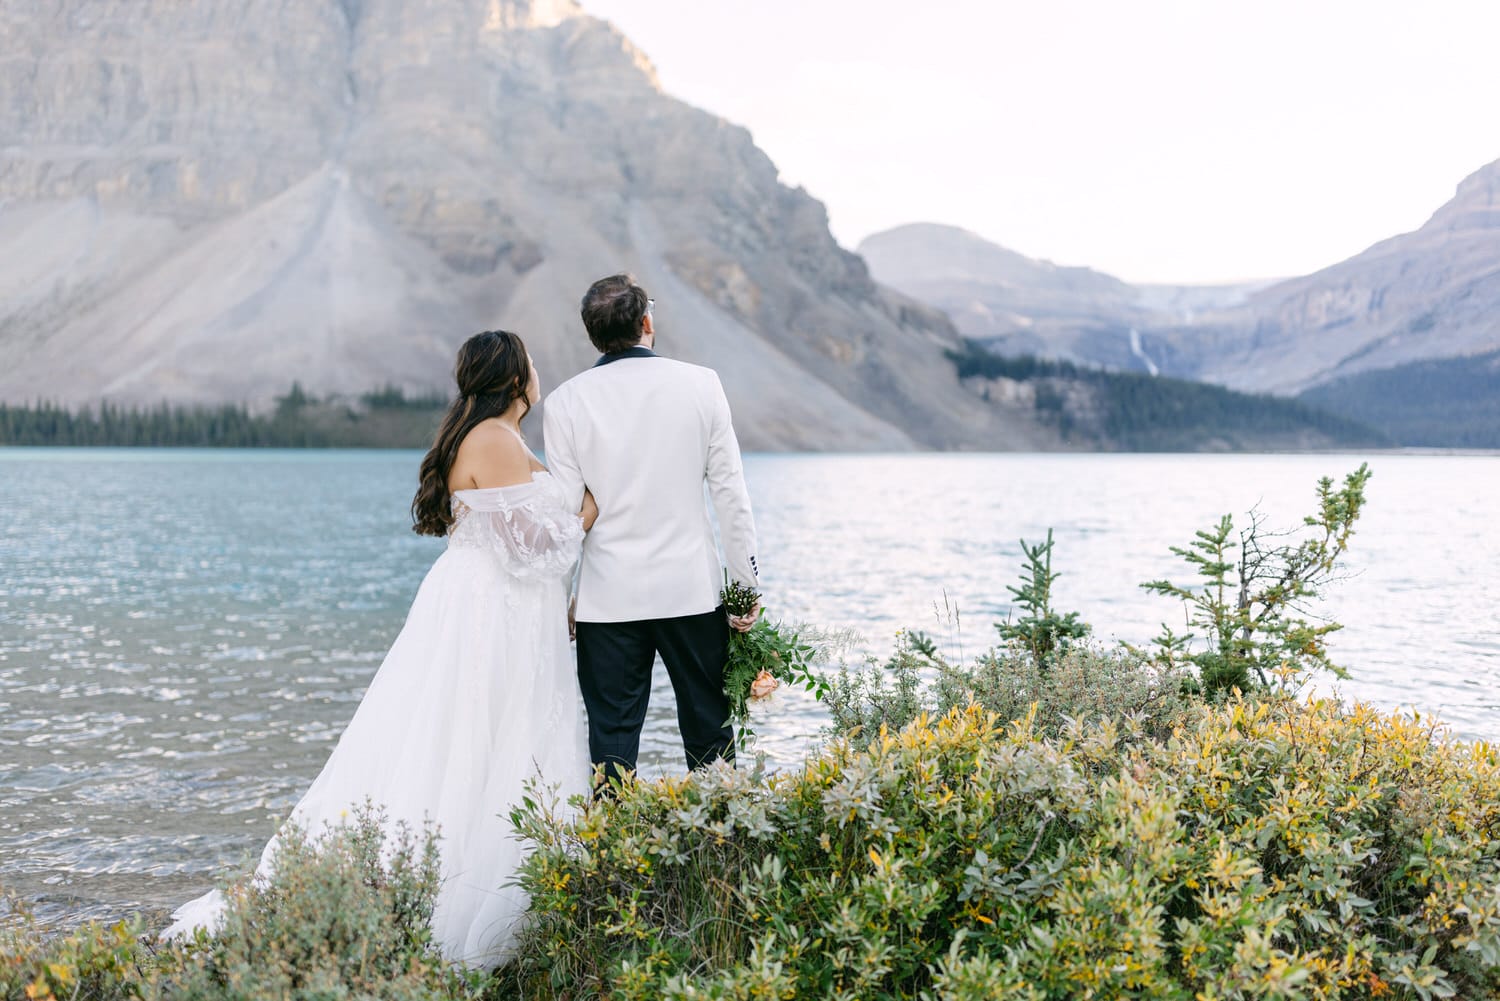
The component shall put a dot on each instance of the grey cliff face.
(183, 109)
(204, 201)
(1432, 293)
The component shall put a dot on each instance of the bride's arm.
(590, 510)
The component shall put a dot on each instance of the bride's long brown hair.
(493, 371)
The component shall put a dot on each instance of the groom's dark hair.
(613, 310)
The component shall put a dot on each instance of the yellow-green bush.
(100, 962)
(346, 916)
(1261, 849)
(1266, 849)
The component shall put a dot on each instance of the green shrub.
(100, 962)
(1081, 682)
(891, 694)
(1265, 849)
(345, 916)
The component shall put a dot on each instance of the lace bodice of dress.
(527, 526)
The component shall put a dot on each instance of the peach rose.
(764, 684)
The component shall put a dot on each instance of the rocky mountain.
(1415, 298)
(1430, 294)
(1018, 305)
(1068, 348)
(203, 201)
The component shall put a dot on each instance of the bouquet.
(761, 659)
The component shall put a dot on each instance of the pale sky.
(1158, 140)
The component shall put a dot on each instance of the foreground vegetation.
(1267, 849)
(1262, 848)
(346, 916)
(385, 418)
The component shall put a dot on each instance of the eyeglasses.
(650, 305)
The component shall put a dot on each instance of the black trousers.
(614, 671)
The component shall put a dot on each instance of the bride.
(477, 694)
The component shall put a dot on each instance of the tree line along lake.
(183, 633)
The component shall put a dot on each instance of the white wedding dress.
(477, 695)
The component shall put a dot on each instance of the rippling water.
(184, 634)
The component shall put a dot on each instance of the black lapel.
(635, 352)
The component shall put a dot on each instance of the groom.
(644, 433)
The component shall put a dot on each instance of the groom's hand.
(742, 623)
(572, 617)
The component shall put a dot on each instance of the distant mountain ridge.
(1021, 305)
(203, 202)
(1429, 294)
(1397, 309)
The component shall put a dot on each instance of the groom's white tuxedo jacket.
(645, 433)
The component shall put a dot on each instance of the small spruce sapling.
(1041, 630)
(1252, 605)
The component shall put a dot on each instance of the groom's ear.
(648, 326)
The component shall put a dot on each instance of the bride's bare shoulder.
(491, 455)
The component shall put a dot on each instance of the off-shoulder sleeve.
(526, 525)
